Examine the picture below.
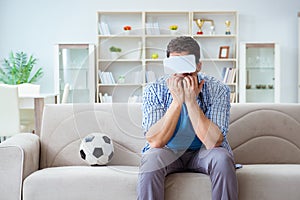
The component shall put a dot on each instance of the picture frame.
(224, 52)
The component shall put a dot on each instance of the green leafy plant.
(18, 69)
(115, 49)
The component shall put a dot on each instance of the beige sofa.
(265, 138)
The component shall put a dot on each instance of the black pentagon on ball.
(89, 138)
(110, 156)
(98, 152)
(106, 139)
(82, 154)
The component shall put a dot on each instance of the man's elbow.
(156, 144)
(217, 142)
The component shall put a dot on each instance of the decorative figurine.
(199, 23)
(227, 23)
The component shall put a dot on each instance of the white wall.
(35, 26)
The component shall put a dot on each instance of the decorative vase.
(127, 32)
(173, 32)
(115, 55)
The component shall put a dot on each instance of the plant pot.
(114, 55)
(173, 32)
(127, 32)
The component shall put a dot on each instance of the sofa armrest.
(19, 157)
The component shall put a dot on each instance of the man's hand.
(175, 86)
(191, 88)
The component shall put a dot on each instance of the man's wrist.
(176, 104)
(191, 103)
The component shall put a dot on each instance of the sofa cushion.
(274, 182)
(81, 182)
(62, 133)
(265, 133)
(119, 182)
(183, 186)
(109, 183)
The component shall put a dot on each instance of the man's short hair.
(184, 44)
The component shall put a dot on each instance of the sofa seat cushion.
(81, 182)
(183, 186)
(115, 182)
(112, 182)
(276, 182)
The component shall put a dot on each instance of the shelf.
(257, 68)
(164, 36)
(119, 60)
(120, 85)
(255, 90)
(72, 68)
(219, 60)
(214, 36)
(121, 35)
(154, 60)
(150, 35)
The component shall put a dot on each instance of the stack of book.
(150, 77)
(229, 75)
(152, 28)
(106, 77)
(103, 28)
(105, 98)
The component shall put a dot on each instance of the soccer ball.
(96, 149)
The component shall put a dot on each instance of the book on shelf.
(232, 97)
(103, 28)
(105, 98)
(152, 28)
(150, 77)
(137, 77)
(140, 44)
(135, 99)
(229, 75)
(106, 77)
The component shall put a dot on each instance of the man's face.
(184, 53)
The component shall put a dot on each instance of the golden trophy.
(199, 23)
(227, 23)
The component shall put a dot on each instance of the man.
(185, 118)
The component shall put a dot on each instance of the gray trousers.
(157, 163)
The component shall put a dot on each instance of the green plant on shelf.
(115, 49)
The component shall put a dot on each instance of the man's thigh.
(159, 158)
(203, 159)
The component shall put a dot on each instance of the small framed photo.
(224, 52)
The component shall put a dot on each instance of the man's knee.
(222, 160)
(156, 159)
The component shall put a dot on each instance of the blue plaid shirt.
(214, 100)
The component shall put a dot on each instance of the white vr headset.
(179, 64)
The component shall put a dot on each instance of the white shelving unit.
(259, 72)
(150, 34)
(75, 65)
(298, 57)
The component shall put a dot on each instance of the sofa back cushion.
(265, 133)
(64, 126)
(258, 133)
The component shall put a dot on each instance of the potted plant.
(115, 52)
(18, 69)
(127, 29)
(173, 29)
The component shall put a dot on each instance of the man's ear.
(199, 66)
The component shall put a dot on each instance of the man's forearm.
(161, 132)
(208, 132)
